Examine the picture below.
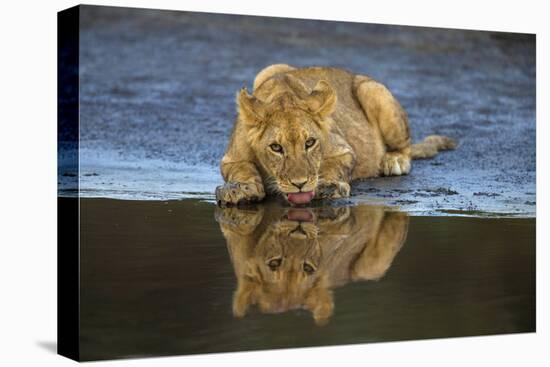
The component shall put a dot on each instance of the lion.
(307, 133)
(293, 258)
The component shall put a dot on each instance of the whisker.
(272, 186)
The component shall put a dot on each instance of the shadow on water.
(183, 277)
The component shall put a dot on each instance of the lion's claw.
(332, 190)
(395, 164)
(233, 193)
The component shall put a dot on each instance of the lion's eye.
(310, 142)
(276, 148)
(308, 269)
(274, 264)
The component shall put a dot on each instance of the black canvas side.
(68, 315)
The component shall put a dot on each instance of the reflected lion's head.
(291, 258)
(285, 271)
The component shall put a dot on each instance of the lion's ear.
(320, 302)
(322, 100)
(243, 297)
(250, 109)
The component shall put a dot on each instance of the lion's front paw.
(395, 164)
(332, 190)
(232, 193)
(239, 220)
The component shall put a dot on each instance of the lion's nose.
(299, 183)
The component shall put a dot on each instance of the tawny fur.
(268, 72)
(431, 146)
(359, 130)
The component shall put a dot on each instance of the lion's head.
(287, 133)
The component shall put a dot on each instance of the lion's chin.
(300, 197)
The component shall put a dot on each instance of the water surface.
(181, 277)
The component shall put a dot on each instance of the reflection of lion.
(288, 259)
(307, 133)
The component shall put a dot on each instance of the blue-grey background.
(157, 102)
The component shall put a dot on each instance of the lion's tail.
(431, 145)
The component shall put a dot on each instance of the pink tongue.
(300, 197)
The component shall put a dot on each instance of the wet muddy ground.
(181, 277)
(157, 103)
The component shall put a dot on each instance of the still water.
(182, 277)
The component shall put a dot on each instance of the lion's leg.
(243, 184)
(334, 177)
(379, 253)
(385, 111)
